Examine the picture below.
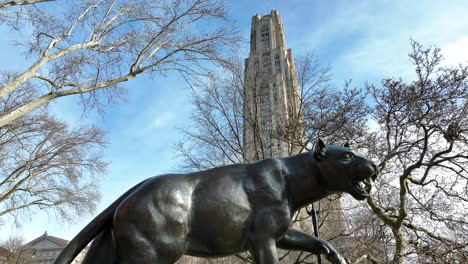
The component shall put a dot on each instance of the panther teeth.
(359, 187)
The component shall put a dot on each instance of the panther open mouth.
(360, 186)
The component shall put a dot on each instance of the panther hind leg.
(101, 250)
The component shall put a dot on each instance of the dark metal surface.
(313, 214)
(223, 211)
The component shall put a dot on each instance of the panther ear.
(320, 149)
(346, 145)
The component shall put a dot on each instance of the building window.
(277, 63)
(264, 89)
(266, 61)
(252, 40)
(265, 37)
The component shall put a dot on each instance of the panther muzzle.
(361, 184)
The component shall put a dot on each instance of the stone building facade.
(44, 250)
(271, 93)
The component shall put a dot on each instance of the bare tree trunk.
(400, 247)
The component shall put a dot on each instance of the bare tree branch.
(422, 151)
(6, 4)
(95, 45)
(46, 165)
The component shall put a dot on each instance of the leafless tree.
(420, 201)
(92, 45)
(46, 165)
(13, 246)
(216, 136)
(337, 115)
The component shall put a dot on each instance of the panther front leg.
(264, 251)
(297, 240)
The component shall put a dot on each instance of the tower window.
(266, 61)
(277, 63)
(265, 37)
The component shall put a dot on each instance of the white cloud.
(162, 119)
(455, 52)
(376, 36)
(153, 119)
(341, 21)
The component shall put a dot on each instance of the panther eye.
(348, 156)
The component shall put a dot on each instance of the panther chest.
(272, 221)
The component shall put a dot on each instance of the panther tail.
(91, 230)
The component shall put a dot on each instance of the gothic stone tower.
(271, 99)
(271, 93)
(273, 120)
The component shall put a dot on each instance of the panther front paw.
(331, 254)
(335, 258)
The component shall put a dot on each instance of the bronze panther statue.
(223, 211)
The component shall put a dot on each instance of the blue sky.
(361, 40)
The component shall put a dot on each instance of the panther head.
(344, 170)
